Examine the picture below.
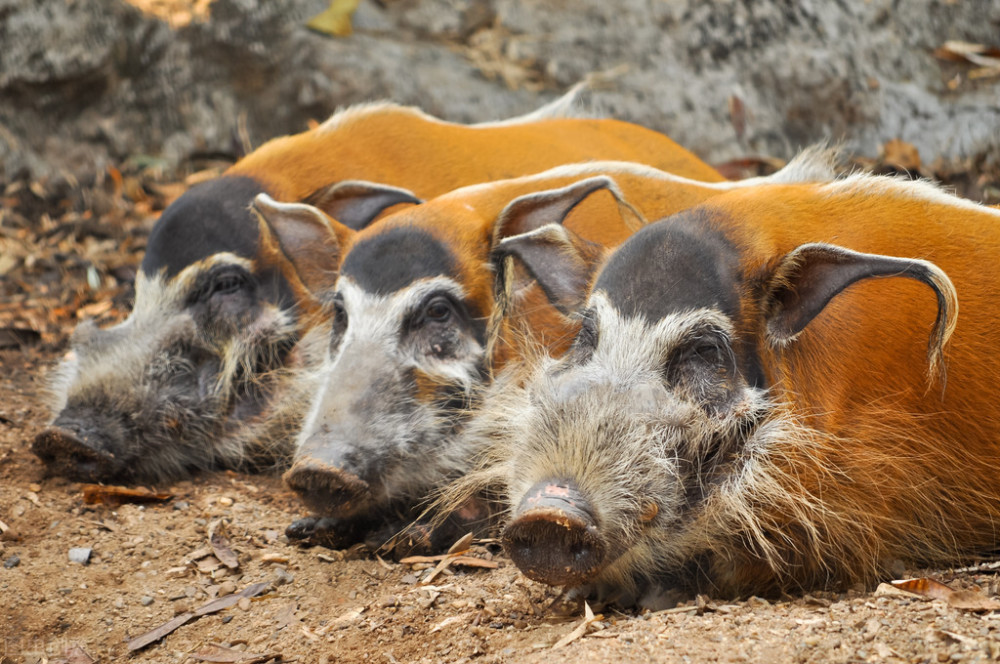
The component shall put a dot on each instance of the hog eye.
(709, 355)
(438, 310)
(222, 283)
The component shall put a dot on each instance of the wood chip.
(154, 635)
(470, 561)
(209, 565)
(220, 544)
(97, 494)
(580, 630)
(198, 554)
(451, 620)
(341, 622)
(274, 558)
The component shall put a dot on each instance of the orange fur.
(906, 467)
(401, 146)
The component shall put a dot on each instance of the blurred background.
(110, 108)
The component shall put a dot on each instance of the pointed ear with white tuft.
(559, 260)
(357, 203)
(311, 241)
(532, 211)
(809, 277)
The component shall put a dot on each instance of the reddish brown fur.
(923, 458)
(431, 157)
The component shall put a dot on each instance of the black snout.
(326, 489)
(553, 537)
(73, 454)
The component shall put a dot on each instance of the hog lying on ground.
(215, 365)
(756, 399)
(408, 353)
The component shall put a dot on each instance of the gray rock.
(12, 561)
(145, 600)
(80, 555)
(93, 82)
(282, 577)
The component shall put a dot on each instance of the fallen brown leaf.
(971, 600)
(925, 586)
(218, 604)
(94, 494)
(580, 630)
(220, 544)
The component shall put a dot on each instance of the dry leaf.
(220, 544)
(971, 600)
(335, 20)
(926, 587)
(213, 606)
(580, 630)
(462, 545)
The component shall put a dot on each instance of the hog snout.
(327, 489)
(75, 453)
(553, 537)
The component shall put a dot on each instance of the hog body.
(215, 365)
(771, 392)
(409, 354)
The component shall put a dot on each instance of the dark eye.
(705, 356)
(225, 283)
(438, 310)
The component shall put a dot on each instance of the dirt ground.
(66, 255)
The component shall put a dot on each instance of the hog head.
(408, 359)
(639, 460)
(214, 366)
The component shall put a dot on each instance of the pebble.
(244, 603)
(80, 554)
(181, 505)
(12, 561)
(226, 588)
(226, 501)
(145, 600)
(282, 577)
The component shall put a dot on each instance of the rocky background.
(85, 84)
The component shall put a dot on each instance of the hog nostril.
(553, 537)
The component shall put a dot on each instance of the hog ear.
(312, 242)
(557, 258)
(532, 211)
(809, 277)
(356, 203)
